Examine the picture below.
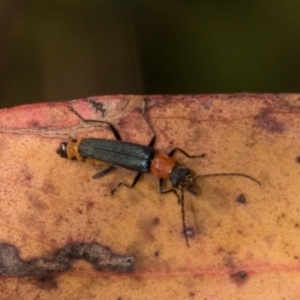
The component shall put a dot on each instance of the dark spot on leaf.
(89, 205)
(46, 282)
(241, 199)
(189, 231)
(26, 174)
(98, 106)
(156, 221)
(48, 187)
(239, 277)
(229, 259)
(102, 258)
(268, 122)
(34, 123)
(148, 227)
(36, 202)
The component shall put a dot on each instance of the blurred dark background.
(59, 50)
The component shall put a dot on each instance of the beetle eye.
(62, 150)
(188, 180)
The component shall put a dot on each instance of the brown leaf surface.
(246, 237)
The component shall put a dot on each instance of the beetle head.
(181, 177)
(62, 150)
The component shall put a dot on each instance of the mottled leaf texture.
(64, 236)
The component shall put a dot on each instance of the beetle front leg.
(160, 189)
(181, 203)
(172, 152)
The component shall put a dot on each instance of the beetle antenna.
(183, 218)
(230, 174)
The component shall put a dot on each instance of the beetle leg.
(104, 172)
(130, 186)
(172, 152)
(160, 189)
(181, 202)
(111, 127)
(152, 142)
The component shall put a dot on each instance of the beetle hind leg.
(104, 172)
(130, 186)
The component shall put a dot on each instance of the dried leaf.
(64, 236)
